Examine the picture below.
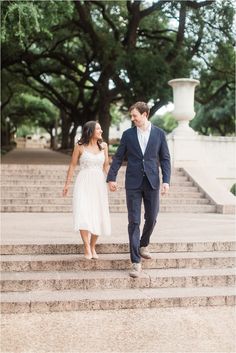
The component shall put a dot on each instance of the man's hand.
(164, 188)
(112, 185)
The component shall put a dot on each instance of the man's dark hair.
(142, 107)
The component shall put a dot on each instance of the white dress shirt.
(143, 137)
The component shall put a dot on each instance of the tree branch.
(107, 19)
(158, 31)
(157, 105)
(134, 19)
(50, 88)
(156, 6)
(151, 36)
(198, 42)
(180, 33)
(197, 5)
(182, 22)
(86, 23)
(4, 104)
(207, 100)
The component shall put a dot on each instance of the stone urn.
(183, 91)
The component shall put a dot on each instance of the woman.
(90, 195)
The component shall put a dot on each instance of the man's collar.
(148, 129)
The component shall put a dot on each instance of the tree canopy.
(87, 56)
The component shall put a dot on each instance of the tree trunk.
(55, 144)
(104, 118)
(72, 135)
(3, 137)
(52, 140)
(65, 127)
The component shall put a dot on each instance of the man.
(145, 148)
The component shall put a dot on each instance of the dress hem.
(76, 230)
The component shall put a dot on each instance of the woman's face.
(97, 132)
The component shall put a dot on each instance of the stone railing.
(30, 143)
(215, 154)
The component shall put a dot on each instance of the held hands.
(113, 186)
(164, 188)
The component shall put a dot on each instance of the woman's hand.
(113, 186)
(65, 190)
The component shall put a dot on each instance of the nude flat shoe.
(95, 256)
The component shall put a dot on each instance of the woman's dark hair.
(87, 134)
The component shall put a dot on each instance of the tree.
(92, 54)
(166, 122)
(216, 111)
(26, 108)
(218, 116)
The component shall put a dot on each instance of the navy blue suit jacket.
(156, 154)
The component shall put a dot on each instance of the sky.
(166, 108)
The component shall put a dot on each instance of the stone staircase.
(38, 188)
(56, 277)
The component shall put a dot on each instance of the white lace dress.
(90, 195)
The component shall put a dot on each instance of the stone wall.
(215, 154)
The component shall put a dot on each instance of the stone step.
(73, 262)
(114, 209)
(39, 179)
(42, 170)
(108, 299)
(114, 248)
(112, 201)
(46, 182)
(115, 195)
(55, 168)
(167, 278)
(24, 169)
(168, 201)
(62, 177)
(58, 188)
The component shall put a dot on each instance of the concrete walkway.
(35, 156)
(179, 330)
(50, 228)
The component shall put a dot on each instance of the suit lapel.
(136, 141)
(150, 139)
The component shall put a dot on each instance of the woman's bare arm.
(74, 160)
(106, 162)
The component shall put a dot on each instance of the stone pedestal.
(183, 140)
(183, 91)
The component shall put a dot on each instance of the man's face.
(137, 118)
